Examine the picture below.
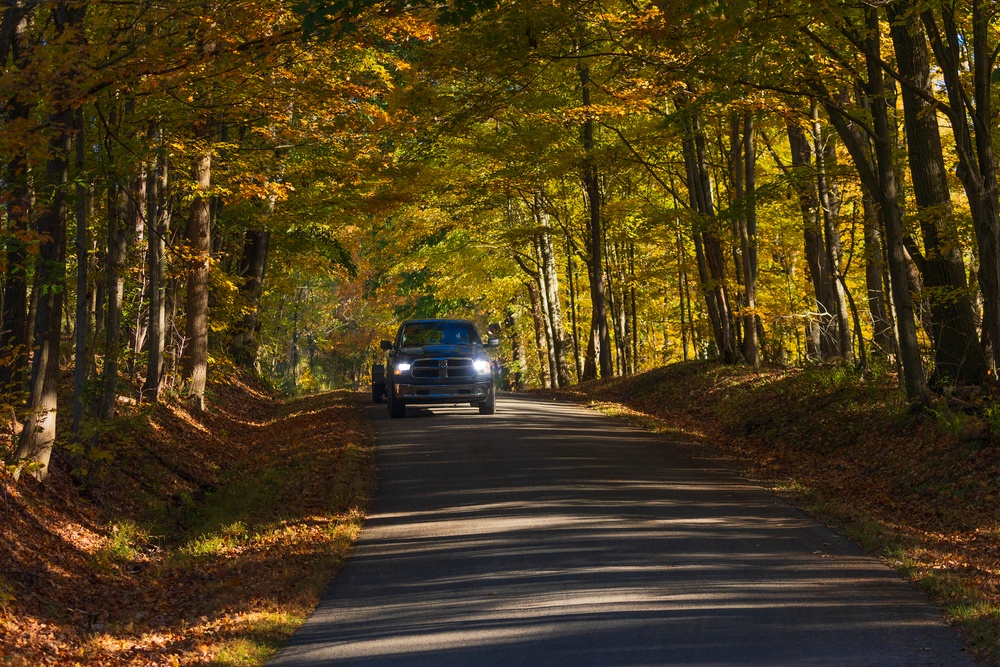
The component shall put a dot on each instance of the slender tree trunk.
(540, 344)
(551, 284)
(82, 244)
(570, 275)
(253, 266)
(748, 245)
(195, 358)
(543, 299)
(708, 247)
(159, 213)
(600, 336)
(874, 268)
(681, 284)
(831, 235)
(633, 309)
(822, 339)
(115, 281)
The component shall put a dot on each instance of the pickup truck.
(435, 362)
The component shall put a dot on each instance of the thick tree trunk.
(957, 353)
(14, 341)
(974, 147)
(195, 358)
(909, 351)
(39, 432)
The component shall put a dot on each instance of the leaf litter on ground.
(206, 540)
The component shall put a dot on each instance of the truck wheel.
(489, 406)
(397, 408)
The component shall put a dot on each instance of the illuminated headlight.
(481, 365)
(402, 367)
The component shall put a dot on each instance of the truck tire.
(489, 406)
(397, 408)
(378, 383)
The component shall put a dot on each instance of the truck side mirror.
(386, 345)
(493, 342)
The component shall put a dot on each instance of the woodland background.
(200, 190)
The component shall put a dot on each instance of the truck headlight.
(481, 365)
(402, 367)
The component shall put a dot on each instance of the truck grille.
(450, 368)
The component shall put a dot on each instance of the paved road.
(551, 535)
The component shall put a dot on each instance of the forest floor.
(204, 539)
(919, 489)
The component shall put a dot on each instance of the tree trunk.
(600, 336)
(39, 432)
(540, 344)
(543, 301)
(573, 283)
(874, 268)
(253, 265)
(708, 247)
(831, 234)
(195, 358)
(976, 165)
(822, 337)
(551, 282)
(957, 353)
(14, 341)
(909, 351)
(748, 246)
(82, 244)
(115, 284)
(158, 217)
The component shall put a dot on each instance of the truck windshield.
(439, 333)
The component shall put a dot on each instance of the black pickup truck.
(435, 362)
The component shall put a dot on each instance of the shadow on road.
(548, 534)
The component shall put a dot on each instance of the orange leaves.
(172, 603)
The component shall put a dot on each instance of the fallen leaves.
(155, 569)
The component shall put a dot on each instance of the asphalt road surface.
(548, 534)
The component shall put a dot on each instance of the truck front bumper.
(415, 394)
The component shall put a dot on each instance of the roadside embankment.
(204, 538)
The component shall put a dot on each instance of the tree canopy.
(274, 185)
